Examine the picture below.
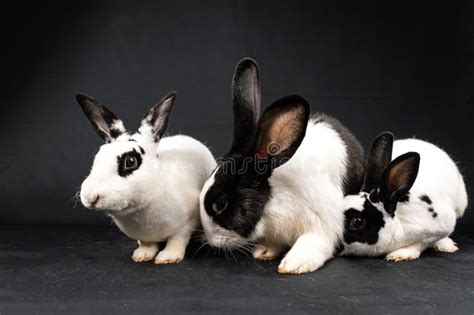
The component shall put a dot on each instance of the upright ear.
(281, 130)
(105, 123)
(398, 179)
(157, 118)
(246, 104)
(378, 159)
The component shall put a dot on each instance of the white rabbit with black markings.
(149, 185)
(410, 201)
(283, 181)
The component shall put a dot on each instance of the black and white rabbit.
(410, 200)
(282, 182)
(149, 185)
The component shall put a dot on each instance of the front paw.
(166, 257)
(298, 265)
(261, 252)
(403, 254)
(144, 253)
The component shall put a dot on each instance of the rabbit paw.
(403, 254)
(261, 252)
(296, 266)
(168, 257)
(145, 252)
(446, 245)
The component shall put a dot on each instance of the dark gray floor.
(90, 269)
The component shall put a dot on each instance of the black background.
(375, 65)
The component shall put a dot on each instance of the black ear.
(246, 104)
(281, 130)
(105, 123)
(378, 159)
(398, 179)
(158, 116)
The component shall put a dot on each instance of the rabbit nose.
(93, 199)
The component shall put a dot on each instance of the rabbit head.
(124, 165)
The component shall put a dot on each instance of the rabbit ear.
(157, 118)
(398, 179)
(281, 130)
(379, 157)
(107, 125)
(246, 104)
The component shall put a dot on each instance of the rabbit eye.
(357, 223)
(130, 162)
(219, 205)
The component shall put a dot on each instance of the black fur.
(246, 104)
(158, 116)
(115, 133)
(405, 198)
(355, 153)
(434, 214)
(121, 160)
(374, 196)
(246, 194)
(374, 221)
(425, 198)
(379, 157)
(99, 115)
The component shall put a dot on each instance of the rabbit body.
(148, 184)
(424, 216)
(283, 181)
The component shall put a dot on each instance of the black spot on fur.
(114, 133)
(434, 214)
(141, 150)
(123, 169)
(405, 198)
(246, 194)
(132, 140)
(374, 221)
(355, 153)
(374, 197)
(425, 198)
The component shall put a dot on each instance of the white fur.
(302, 212)
(413, 228)
(158, 201)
